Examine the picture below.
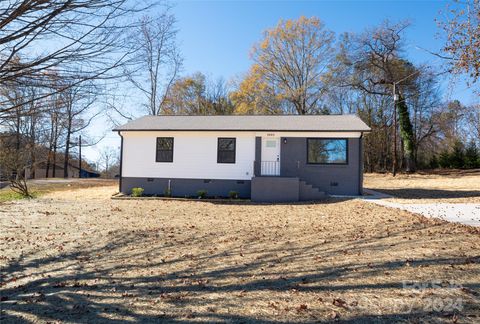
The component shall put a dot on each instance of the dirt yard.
(78, 256)
(40, 187)
(449, 186)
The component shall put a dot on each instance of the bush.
(137, 192)
(202, 193)
(233, 194)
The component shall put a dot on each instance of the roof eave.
(237, 130)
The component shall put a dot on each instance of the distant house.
(73, 172)
(265, 158)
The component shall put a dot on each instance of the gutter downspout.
(121, 162)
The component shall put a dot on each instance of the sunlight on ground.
(79, 256)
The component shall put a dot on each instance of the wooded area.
(60, 59)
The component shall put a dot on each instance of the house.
(263, 157)
(73, 171)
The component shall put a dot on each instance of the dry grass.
(77, 256)
(452, 186)
(44, 186)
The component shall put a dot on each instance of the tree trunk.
(67, 152)
(67, 143)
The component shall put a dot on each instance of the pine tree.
(472, 156)
(444, 160)
(433, 163)
(457, 157)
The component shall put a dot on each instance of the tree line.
(300, 67)
(57, 60)
(60, 61)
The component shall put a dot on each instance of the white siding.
(194, 156)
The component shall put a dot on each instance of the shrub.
(202, 193)
(137, 192)
(233, 194)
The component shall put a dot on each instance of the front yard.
(445, 186)
(78, 256)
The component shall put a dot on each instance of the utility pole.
(80, 156)
(394, 165)
(395, 99)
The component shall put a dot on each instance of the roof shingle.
(246, 123)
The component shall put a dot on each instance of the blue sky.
(216, 36)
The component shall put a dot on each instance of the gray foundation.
(187, 187)
(275, 189)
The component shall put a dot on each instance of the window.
(164, 149)
(271, 143)
(327, 151)
(226, 150)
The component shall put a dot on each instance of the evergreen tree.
(433, 163)
(444, 159)
(457, 157)
(472, 156)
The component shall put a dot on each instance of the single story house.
(73, 171)
(269, 158)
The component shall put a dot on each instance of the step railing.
(267, 168)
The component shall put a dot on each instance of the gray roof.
(247, 123)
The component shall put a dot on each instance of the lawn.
(78, 256)
(41, 187)
(450, 186)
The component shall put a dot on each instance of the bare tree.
(78, 102)
(197, 95)
(461, 27)
(294, 58)
(81, 39)
(109, 159)
(158, 58)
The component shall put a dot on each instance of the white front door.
(270, 164)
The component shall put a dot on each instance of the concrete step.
(307, 192)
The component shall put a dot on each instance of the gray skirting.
(187, 187)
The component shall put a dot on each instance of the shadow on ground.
(429, 193)
(118, 282)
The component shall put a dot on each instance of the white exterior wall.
(194, 156)
(195, 153)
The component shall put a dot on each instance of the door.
(270, 164)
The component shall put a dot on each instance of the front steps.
(309, 193)
(283, 189)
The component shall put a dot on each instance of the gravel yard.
(78, 256)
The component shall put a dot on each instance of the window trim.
(156, 149)
(327, 138)
(234, 149)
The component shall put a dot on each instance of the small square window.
(226, 150)
(164, 149)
